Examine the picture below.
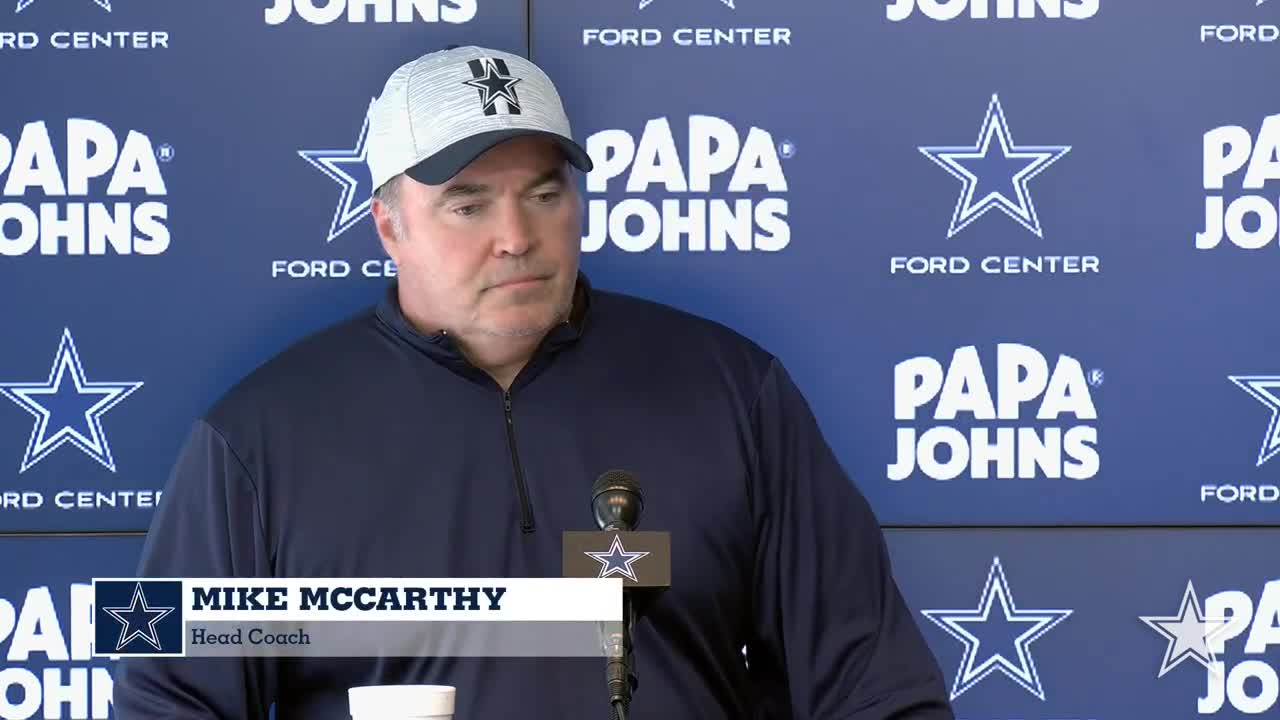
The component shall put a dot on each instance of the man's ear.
(385, 227)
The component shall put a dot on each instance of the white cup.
(401, 702)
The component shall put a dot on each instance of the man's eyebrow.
(461, 190)
(554, 175)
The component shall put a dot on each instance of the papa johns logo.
(1248, 221)
(730, 188)
(900, 10)
(94, 161)
(73, 684)
(1048, 448)
(323, 12)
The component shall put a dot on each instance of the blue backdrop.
(1018, 255)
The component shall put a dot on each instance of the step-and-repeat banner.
(1019, 254)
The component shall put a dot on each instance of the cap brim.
(440, 167)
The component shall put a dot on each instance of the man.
(455, 430)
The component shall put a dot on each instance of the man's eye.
(467, 210)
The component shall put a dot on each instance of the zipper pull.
(506, 399)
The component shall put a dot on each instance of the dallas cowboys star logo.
(616, 560)
(493, 84)
(68, 408)
(349, 169)
(646, 3)
(1266, 390)
(138, 620)
(104, 4)
(1188, 632)
(995, 174)
(1036, 623)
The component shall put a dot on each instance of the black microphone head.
(616, 501)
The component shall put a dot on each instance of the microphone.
(616, 503)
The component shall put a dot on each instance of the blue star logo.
(138, 620)
(1021, 627)
(995, 172)
(616, 560)
(68, 408)
(1264, 389)
(104, 4)
(349, 169)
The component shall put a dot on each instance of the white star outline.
(1262, 388)
(1023, 209)
(23, 4)
(149, 636)
(1187, 638)
(40, 445)
(646, 3)
(1024, 673)
(345, 215)
(616, 550)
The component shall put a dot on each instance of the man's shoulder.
(665, 329)
(650, 314)
(291, 379)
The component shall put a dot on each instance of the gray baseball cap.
(439, 112)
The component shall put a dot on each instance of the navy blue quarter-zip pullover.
(371, 449)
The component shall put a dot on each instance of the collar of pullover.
(440, 345)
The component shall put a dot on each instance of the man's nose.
(514, 234)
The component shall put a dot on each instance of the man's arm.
(832, 628)
(208, 524)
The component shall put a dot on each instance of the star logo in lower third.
(1189, 633)
(349, 169)
(994, 172)
(138, 620)
(104, 4)
(1266, 390)
(996, 636)
(616, 560)
(68, 408)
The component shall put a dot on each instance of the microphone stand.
(616, 503)
(619, 667)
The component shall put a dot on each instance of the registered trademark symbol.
(165, 152)
(1095, 377)
(787, 149)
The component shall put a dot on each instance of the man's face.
(494, 250)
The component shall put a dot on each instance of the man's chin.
(521, 324)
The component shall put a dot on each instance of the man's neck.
(501, 357)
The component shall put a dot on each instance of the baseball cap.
(440, 111)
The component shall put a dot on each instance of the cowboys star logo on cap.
(491, 77)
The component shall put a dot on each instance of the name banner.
(354, 617)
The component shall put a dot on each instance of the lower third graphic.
(133, 617)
